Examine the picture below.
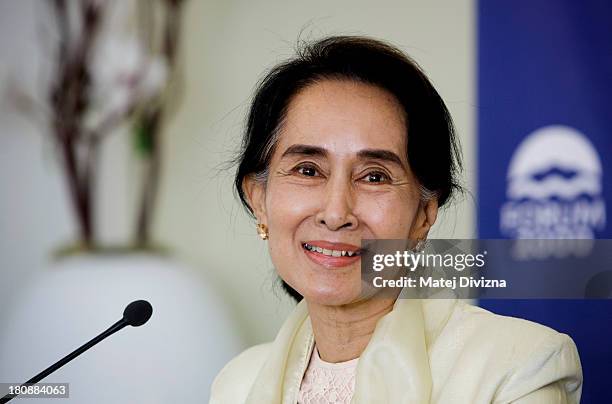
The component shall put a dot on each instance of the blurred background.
(118, 121)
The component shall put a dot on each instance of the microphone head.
(137, 313)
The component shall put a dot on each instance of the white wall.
(227, 47)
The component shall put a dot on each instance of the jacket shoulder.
(529, 356)
(234, 381)
(502, 329)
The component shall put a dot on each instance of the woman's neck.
(342, 332)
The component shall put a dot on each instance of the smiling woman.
(350, 141)
(338, 169)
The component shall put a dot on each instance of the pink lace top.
(327, 383)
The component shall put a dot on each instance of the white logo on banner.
(554, 187)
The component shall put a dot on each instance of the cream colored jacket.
(423, 351)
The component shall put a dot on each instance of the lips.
(331, 254)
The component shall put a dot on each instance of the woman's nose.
(337, 206)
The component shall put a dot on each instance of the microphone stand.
(110, 331)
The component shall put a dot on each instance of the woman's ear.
(426, 217)
(255, 194)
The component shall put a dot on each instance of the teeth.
(331, 253)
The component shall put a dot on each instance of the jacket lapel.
(279, 379)
(394, 367)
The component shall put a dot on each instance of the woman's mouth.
(331, 254)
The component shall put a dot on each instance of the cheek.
(388, 215)
(288, 206)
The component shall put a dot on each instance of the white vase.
(173, 358)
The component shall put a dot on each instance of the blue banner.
(545, 150)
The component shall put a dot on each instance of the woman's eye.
(376, 177)
(307, 171)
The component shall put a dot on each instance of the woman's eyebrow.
(381, 154)
(317, 151)
(304, 150)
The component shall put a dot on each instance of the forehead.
(344, 117)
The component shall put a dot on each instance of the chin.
(331, 296)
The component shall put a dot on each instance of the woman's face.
(339, 174)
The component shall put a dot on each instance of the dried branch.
(69, 99)
(152, 123)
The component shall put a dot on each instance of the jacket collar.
(394, 367)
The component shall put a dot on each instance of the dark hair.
(433, 149)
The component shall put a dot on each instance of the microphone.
(135, 314)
